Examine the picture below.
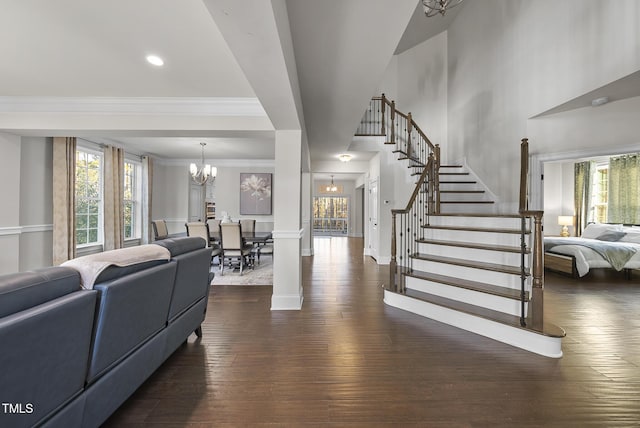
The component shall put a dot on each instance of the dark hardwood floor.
(347, 360)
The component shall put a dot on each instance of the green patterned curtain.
(624, 186)
(583, 173)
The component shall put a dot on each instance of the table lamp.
(565, 221)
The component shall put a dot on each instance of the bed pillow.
(593, 230)
(631, 237)
(610, 236)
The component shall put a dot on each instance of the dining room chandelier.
(434, 7)
(332, 187)
(201, 174)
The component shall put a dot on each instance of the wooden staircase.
(467, 265)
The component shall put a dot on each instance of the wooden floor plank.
(348, 360)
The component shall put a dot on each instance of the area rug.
(261, 274)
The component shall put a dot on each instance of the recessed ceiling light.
(599, 101)
(155, 60)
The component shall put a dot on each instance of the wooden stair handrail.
(411, 123)
(393, 264)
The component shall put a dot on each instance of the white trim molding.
(288, 234)
(37, 228)
(11, 230)
(17, 230)
(201, 106)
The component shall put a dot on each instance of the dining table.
(258, 238)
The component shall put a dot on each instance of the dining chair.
(233, 246)
(201, 230)
(248, 224)
(160, 230)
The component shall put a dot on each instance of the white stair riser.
(468, 208)
(489, 222)
(484, 300)
(471, 274)
(520, 338)
(462, 197)
(499, 257)
(509, 239)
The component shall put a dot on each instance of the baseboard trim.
(286, 303)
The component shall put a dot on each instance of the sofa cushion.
(181, 245)
(24, 290)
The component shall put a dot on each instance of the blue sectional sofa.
(70, 356)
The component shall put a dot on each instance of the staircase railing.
(536, 301)
(410, 219)
(410, 143)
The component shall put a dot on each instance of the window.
(132, 195)
(88, 197)
(600, 194)
(330, 215)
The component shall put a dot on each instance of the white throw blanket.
(92, 265)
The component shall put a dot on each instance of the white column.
(307, 214)
(287, 234)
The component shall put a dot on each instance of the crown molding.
(230, 163)
(201, 106)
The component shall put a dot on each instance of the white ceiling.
(95, 50)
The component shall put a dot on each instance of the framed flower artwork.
(255, 193)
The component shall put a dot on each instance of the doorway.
(330, 216)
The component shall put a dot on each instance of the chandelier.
(332, 187)
(434, 7)
(200, 175)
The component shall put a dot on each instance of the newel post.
(382, 110)
(409, 129)
(436, 177)
(393, 123)
(393, 265)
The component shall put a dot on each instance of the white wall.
(422, 86)
(558, 195)
(509, 60)
(228, 195)
(171, 194)
(170, 200)
(10, 196)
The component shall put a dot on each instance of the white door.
(373, 218)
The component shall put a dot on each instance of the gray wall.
(26, 193)
(171, 194)
(516, 59)
(36, 202)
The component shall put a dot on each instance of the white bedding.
(586, 258)
(600, 234)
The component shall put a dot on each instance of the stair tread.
(482, 287)
(462, 191)
(454, 173)
(549, 329)
(501, 248)
(450, 166)
(459, 182)
(494, 267)
(476, 229)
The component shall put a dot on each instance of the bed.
(612, 246)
